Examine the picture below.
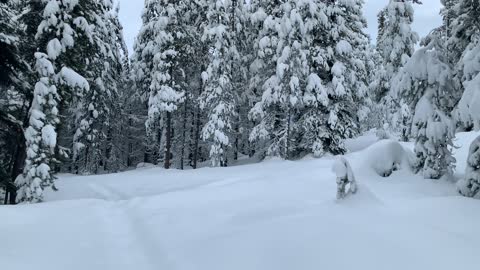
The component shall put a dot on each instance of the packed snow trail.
(272, 215)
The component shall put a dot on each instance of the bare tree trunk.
(287, 148)
(168, 141)
(198, 124)
(232, 70)
(197, 139)
(237, 136)
(184, 134)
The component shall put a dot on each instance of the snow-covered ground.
(269, 216)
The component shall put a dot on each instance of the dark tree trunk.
(108, 151)
(237, 136)
(184, 134)
(168, 141)
(198, 124)
(18, 164)
(287, 145)
(18, 158)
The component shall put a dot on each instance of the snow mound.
(361, 142)
(145, 165)
(387, 156)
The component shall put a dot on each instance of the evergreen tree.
(142, 68)
(396, 44)
(12, 99)
(188, 147)
(220, 99)
(426, 85)
(165, 91)
(95, 132)
(470, 185)
(271, 112)
(115, 150)
(346, 54)
(59, 26)
(465, 45)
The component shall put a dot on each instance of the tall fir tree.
(396, 44)
(166, 93)
(317, 95)
(95, 106)
(267, 15)
(142, 68)
(464, 43)
(346, 51)
(62, 23)
(425, 83)
(12, 98)
(220, 98)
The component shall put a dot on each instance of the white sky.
(426, 17)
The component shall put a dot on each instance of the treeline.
(216, 81)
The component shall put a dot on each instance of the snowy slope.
(273, 215)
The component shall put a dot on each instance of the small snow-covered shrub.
(345, 178)
(470, 185)
(382, 133)
(387, 156)
(145, 165)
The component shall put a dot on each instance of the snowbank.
(384, 157)
(362, 142)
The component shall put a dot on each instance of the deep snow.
(269, 216)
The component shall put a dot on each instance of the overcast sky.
(426, 17)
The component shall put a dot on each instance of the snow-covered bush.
(470, 185)
(382, 133)
(387, 156)
(345, 178)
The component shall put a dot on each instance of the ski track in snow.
(273, 215)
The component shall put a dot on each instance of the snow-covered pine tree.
(12, 100)
(345, 54)
(115, 148)
(165, 93)
(59, 27)
(194, 59)
(265, 17)
(396, 40)
(396, 44)
(132, 127)
(245, 34)
(470, 185)
(278, 111)
(316, 99)
(382, 21)
(465, 42)
(426, 86)
(187, 146)
(95, 105)
(219, 99)
(465, 50)
(461, 25)
(142, 66)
